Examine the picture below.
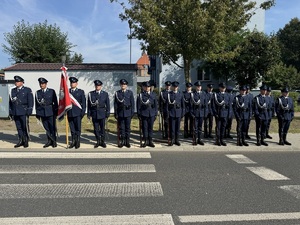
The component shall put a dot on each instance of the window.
(204, 74)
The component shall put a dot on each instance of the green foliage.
(190, 29)
(255, 54)
(289, 38)
(38, 43)
(280, 76)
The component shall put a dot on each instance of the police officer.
(163, 98)
(220, 107)
(46, 107)
(98, 109)
(199, 105)
(284, 107)
(250, 96)
(229, 90)
(77, 112)
(261, 114)
(208, 120)
(147, 112)
(124, 111)
(188, 119)
(176, 107)
(271, 110)
(242, 108)
(20, 108)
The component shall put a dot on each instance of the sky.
(94, 25)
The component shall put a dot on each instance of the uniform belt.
(125, 107)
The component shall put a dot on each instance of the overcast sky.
(94, 25)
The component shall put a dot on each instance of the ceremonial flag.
(65, 102)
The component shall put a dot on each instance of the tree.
(191, 29)
(289, 38)
(278, 74)
(38, 43)
(256, 54)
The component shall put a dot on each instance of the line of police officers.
(195, 107)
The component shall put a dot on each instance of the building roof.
(77, 66)
(143, 60)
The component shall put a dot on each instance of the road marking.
(80, 190)
(151, 219)
(239, 217)
(267, 174)
(241, 159)
(60, 155)
(294, 190)
(55, 169)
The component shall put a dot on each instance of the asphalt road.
(172, 186)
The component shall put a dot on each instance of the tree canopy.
(38, 43)
(289, 38)
(190, 29)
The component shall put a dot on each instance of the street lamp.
(130, 39)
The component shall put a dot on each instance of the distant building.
(1, 76)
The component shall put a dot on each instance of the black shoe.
(210, 136)
(97, 143)
(223, 143)
(264, 143)
(286, 142)
(245, 143)
(247, 137)
(258, 144)
(54, 144)
(73, 143)
(171, 142)
(121, 143)
(48, 143)
(229, 136)
(127, 144)
(20, 143)
(281, 142)
(269, 137)
(151, 144)
(77, 145)
(177, 143)
(218, 143)
(200, 142)
(103, 144)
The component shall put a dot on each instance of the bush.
(293, 95)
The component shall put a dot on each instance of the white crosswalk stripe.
(294, 190)
(55, 169)
(151, 219)
(267, 174)
(77, 155)
(241, 159)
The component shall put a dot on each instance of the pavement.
(9, 138)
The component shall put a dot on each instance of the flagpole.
(67, 130)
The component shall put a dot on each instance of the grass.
(87, 126)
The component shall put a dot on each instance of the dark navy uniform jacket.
(21, 102)
(221, 104)
(209, 97)
(163, 98)
(199, 104)
(124, 103)
(79, 95)
(176, 104)
(187, 101)
(98, 105)
(231, 97)
(242, 107)
(271, 107)
(46, 103)
(284, 108)
(147, 104)
(260, 107)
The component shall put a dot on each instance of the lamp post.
(130, 39)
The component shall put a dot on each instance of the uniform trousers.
(22, 125)
(147, 126)
(221, 123)
(283, 126)
(99, 127)
(261, 127)
(124, 126)
(75, 125)
(48, 123)
(174, 123)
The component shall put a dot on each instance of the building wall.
(86, 79)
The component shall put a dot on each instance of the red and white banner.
(65, 102)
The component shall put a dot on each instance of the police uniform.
(250, 96)
(242, 108)
(76, 114)
(220, 107)
(188, 119)
(271, 110)
(208, 120)
(123, 111)
(163, 98)
(176, 108)
(20, 108)
(147, 112)
(98, 109)
(46, 107)
(229, 90)
(261, 114)
(199, 105)
(284, 107)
